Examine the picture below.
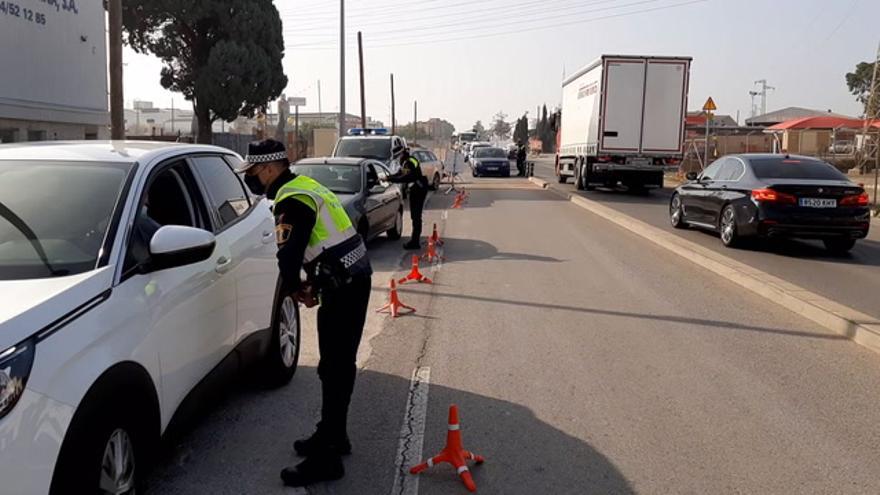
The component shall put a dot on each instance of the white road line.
(412, 433)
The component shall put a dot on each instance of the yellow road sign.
(710, 105)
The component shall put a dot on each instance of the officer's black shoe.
(314, 470)
(318, 443)
(412, 245)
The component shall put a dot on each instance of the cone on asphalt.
(453, 453)
(431, 253)
(435, 236)
(415, 275)
(394, 305)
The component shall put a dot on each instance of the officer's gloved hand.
(306, 296)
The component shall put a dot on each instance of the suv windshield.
(341, 179)
(794, 168)
(490, 153)
(66, 239)
(375, 148)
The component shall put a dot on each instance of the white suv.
(131, 275)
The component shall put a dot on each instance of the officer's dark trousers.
(341, 318)
(417, 197)
(520, 167)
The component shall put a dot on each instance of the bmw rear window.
(794, 168)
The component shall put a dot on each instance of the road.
(852, 280)
(583, 359)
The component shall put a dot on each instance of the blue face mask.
(253, 183)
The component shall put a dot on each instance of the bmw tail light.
(15, 367)
(855, 200)
(772, 196)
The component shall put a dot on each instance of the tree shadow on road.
(242, 444)
(475, 250)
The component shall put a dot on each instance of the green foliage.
(500, 126)
(480, 130)
(223, 55)
(859, 83)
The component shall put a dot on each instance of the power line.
(532, 6)
(518, 20)
(515, 31)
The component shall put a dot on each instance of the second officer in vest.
(411, 173)
(314, 233)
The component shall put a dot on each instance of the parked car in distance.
(842, 148)
(149, 279)
(490, 161)
(432, 167)
(474, 147)
(765, 195)
(374, 205)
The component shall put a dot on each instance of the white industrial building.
(54, 83)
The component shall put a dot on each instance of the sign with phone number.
(11, 9)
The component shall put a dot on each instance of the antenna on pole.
(871, 147)
(763, 94)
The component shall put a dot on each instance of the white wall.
(53, 61)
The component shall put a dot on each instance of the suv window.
(227, 195)
(167, 201)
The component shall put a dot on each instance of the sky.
(465, 61)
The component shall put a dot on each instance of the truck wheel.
(588, 176)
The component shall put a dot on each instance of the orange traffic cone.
(457, 203)
(394, 305)
(436, 237)
(415, 274)
(453, 453)
(431, 253)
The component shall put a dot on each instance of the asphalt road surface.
(852, 280)
(583, 360)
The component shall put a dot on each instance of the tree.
(480, 130)
(521, 132)
(859, 83)
(500, 127)
(223, 55)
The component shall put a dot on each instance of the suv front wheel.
(282, 358)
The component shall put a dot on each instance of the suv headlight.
(15, 367)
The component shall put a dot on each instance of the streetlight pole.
(341, 68)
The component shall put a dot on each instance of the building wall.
(55, 69)
(13, 131)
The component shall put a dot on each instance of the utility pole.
(754, 111)
(341, 68)
(363, 100)
(320, 113)
(393, 121)
(117, 112)
(763, 93)
(872, 147)
(415, 121)
(172, 115)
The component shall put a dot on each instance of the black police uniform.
(344, 296)
(521, 161)
(411, 175)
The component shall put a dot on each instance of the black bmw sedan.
(374, 205)
(764, 195)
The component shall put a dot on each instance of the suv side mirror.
(692, 176)
(176, 245)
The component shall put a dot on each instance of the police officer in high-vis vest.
(314, 233)
(411, 173)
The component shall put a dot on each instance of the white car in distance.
(132, 275)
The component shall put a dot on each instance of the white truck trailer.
(623, 120)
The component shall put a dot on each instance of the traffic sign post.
(708, 108)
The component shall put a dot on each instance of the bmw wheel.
(397, 230)
(727, 227)
(676, 212)
(283, 355)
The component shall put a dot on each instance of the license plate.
(818, 203)
(640, 162)
(493, 168)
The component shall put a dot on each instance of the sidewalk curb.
(861, 328)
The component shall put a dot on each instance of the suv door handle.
(223, 264)
(268, 237)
